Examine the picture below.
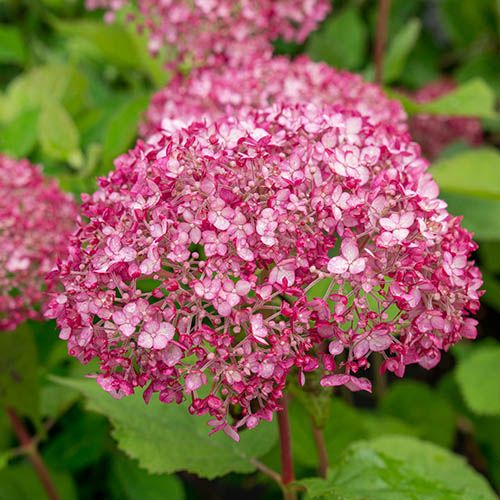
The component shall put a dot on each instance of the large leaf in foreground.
(400, 468)
(166, 438)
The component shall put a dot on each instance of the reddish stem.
(287, 474)
(381, 38)
(319, 439)
(30, 446)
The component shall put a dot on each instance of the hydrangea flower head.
(36, 218)
(223, 31)
(211, 93)
(435, 132)
(222, 258)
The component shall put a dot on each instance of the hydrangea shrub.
(36, 218)
(210, 93)
(222, 257)
(224, 31)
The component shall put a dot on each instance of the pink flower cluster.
(211, 93)
(35, 221)
(434, 133)
(221, 257)
(223, 31)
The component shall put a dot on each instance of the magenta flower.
(36, 218)
(223, 31)
(194, 275)
(211, 93)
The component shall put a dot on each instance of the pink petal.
(349, 250)
(334, 380)
(160, 342)
(243, 287)
(407, 220)
(359, 384)
(127, 329)
(380, 342)
(361, 348)
(172, 355)
(335, 347)
(387, 224)
(400, 234)
(358, 266)
(145, 340)
(338, 265)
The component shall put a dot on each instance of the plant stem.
(267, 471)
(319, 439)
(381, 38)
(380, 385)
(287, 474)
(32, 451)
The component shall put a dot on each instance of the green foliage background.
(72, 91)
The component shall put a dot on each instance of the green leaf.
(473, 98)
(480, 216)
(490, 256)
(56, 400)
(18, 138)
(129, 482)
(399, 467)
(5, 456)
(492, 287)
(110, 42)
(20, 482)
(122, 130)
(313, 398)
(79, 444)
(422, 65)
(93, 123)
(345, 425)
(429, 413)
(474, 172)
(12, 46)
(18, 371)
(166, 438)
(399, 50)
(485, 66)
(487, 434)
(478, 377)
(52, 82)
(58, 135)
(341, 41)
(467, 22)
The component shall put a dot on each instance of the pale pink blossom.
(396, 228)
(348, 261)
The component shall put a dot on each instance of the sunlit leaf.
(396, 468)
(166, 438)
